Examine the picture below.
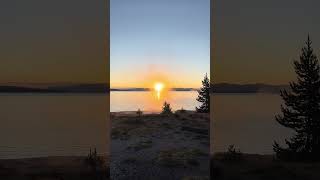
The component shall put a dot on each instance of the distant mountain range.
(247, 88)
(148, 89)
(225, 88)
(55, 88)
(104, 88)
(129, 89)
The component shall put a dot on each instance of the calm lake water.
(35, 125)
(247, 121)
(150, 101)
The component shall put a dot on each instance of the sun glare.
(158, 87)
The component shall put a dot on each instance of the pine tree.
(166, 109)
(204, 96)
(302, 109)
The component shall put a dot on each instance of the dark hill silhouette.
(78, 88)
(103, 88)
(148, 89)
(247, 88)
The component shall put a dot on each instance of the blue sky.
(159, 38)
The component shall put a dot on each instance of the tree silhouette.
(96, 163)
(166, 109)
(204, 96)
(302, 109)
(139, 113)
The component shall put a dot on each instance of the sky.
(159, 40)
(53, 41)
(257, 41)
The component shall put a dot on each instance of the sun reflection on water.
(158, 95)
(158, 87)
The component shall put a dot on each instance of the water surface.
(37, 125)
(247, 121)
(150, 101)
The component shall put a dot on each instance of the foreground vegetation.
(169, 145)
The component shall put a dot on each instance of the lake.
(37, 125)
(149, 101)
(247, 121)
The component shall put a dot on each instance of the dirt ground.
(155, 146)
(261, 167)
(52, 168)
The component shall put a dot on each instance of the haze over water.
(149, 101)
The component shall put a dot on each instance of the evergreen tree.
(302, 109)
(204, 96)
(166, 109)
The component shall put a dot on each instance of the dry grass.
(141, 145)
(179, 157)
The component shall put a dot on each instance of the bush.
(233, 154)
(94, 161)
(139, 119)
(139, 113)
(166, 109)
(182, 110)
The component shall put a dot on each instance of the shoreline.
(146, 112)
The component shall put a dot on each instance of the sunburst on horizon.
(158, 87)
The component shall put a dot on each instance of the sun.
(158, 86)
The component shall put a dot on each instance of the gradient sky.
(159, 40)
(52, 41)
(256, 41)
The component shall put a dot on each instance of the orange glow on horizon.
(145, 76)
